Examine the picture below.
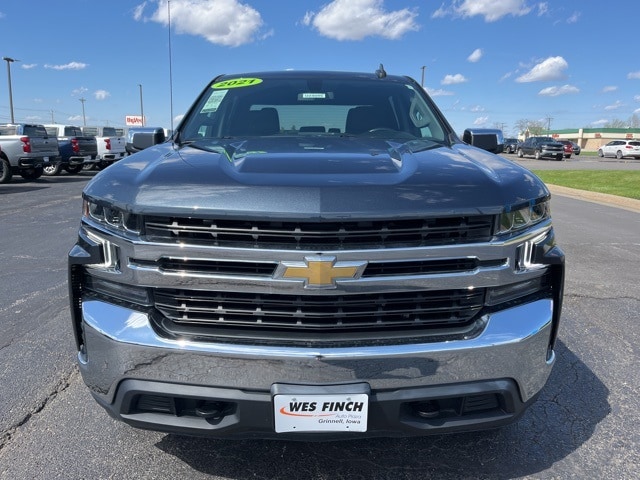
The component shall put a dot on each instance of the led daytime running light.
(112, 218)
(524, 216)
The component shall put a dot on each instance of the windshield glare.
(251, 107)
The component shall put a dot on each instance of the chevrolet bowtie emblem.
(320, 271)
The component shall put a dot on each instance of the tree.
(532, 127)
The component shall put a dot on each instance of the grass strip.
(613, 182)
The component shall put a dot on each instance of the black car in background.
(541, 147)
(510, 145)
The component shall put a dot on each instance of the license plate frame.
(321, 412)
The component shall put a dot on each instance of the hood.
(315, 177)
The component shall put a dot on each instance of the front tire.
(619, 155)
(600, 153)
(537, 155)
(520, 154)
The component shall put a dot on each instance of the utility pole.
(549, 124)
(141, 108)
(9, 61)
(422, 81)
(84, 119)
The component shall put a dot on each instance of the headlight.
(522, 217)
(112, 218)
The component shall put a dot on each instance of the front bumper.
(152, 382)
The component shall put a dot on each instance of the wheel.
(559, 158)
(619, 155)
(5, 171)
(74, 169)
(600, 153)
(567, 156)
(537, 155)
(520, 154)
(50, 170)
(32, 173)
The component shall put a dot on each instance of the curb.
(630, 204)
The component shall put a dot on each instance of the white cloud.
(68, 66)
(475, 56)
(481, 121)
(74, 118)
(357, 19)
(574, 18)
(556, 91)
(28, 66)
(79, 91)
(609, 88)
(599, 123)
(550, 69)
(453, 79)
(477, 108)
(636, 111)
(637, 98)
(633, 75)
(101, 94)
(614, 106)
(438, 92)
(491, 10)
(543, 7)
(221, 22)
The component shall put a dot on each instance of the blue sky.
(566, 63)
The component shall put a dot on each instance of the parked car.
(256, 278)
(76, 149)
(510, 145)
(26, 149)
(620, 149)
(111, 144)
(541, 147)
(576, 148)
(568, 148)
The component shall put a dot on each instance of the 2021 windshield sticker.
(237, 83)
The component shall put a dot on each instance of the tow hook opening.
(210, 410)
(454, 407)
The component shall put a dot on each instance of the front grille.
(266, 315)
(187, 266)
(391, 233)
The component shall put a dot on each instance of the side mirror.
(142, 140)
(489, 139)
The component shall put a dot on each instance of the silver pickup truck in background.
(76, 149)
(26, 149)
(111, 145)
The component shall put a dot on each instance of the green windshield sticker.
(237, 82)
(214, 101)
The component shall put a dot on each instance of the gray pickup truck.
(76, 149)
(26, 149)
(316, 255)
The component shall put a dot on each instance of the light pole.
(84, 119)
(141, 108)
(422, 83)
(9, 61)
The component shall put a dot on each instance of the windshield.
(313, 105)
